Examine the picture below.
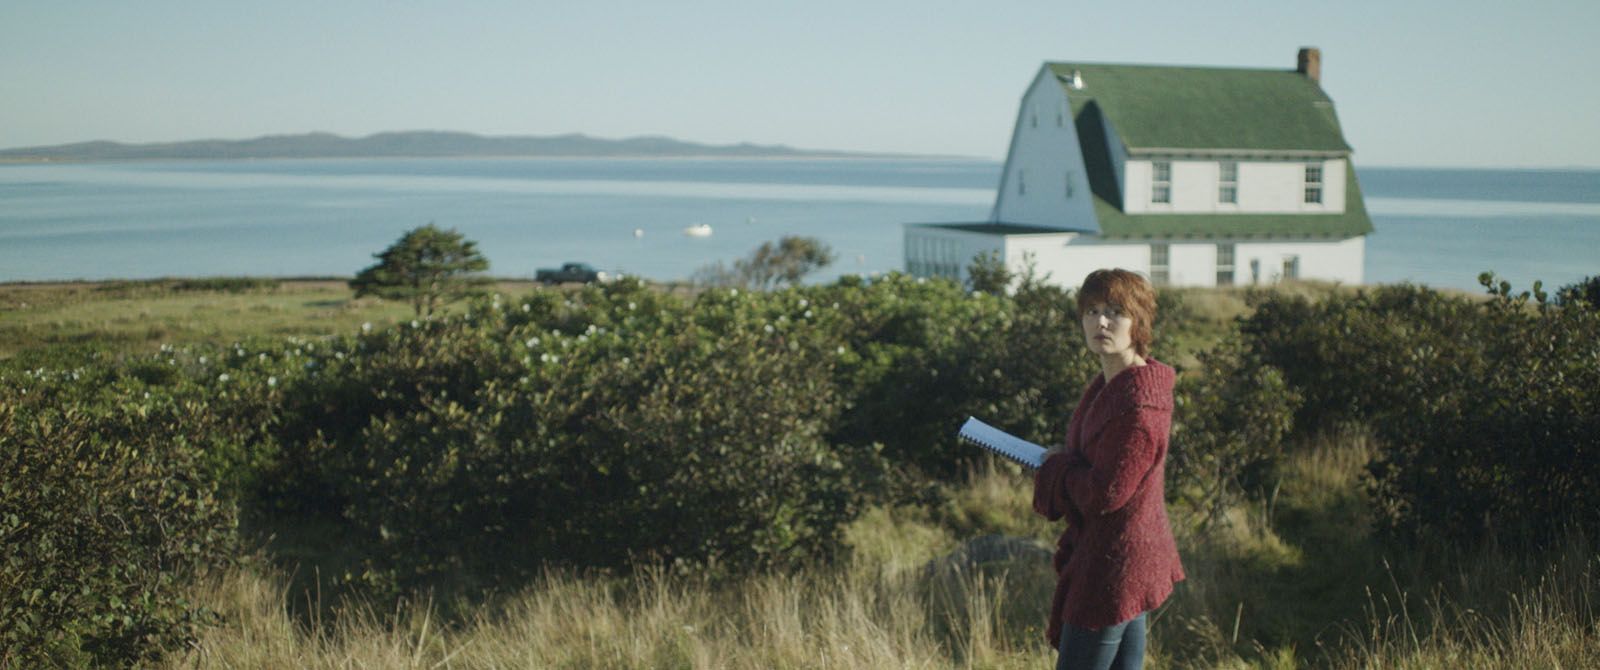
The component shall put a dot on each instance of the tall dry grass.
(1295, 581)
(843, 617)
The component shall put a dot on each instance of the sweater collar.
(1149, 385)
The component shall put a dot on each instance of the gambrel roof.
(1167, 108)
(1206, 113)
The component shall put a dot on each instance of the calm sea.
(327, 217)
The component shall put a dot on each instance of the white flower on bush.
(222, 377)
(808, 314)
(804, 302)
(272, 381)
(527, 307)
(841, 350)
(632, 306)
(366, 327)
(769, 328)
(415, 325)
(532, 342)
(202, 360)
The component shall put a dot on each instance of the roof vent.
(1076, 80)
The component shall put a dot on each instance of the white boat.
(698, 230)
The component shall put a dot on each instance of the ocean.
(327, 217)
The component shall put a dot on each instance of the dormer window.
(1161, 182)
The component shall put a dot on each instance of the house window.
(1314, 183)
(1022, 182)
(1291, 267)
(1228, 183)
(1033, 117)
(1255, 271)
(1160, 267)
(1068, 181)
(1061, 115)
(1161, 182)
(1225, 265)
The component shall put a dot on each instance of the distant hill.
(414, 144)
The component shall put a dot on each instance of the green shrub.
(1586, 291)
(921, 356)
(105, 514)
(599, 429)
(1502, 443)
(1486, 410)
(1231, 421)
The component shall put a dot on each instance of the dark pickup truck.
(572, 272)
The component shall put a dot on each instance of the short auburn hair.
(1128, 291)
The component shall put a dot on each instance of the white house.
(1193, 176)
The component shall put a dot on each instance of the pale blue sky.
(1426, 83)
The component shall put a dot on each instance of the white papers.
(998, 441)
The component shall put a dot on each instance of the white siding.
(1265, 187)
(1044, 182)
(1067, 259)
(1192, 264)
(942, 252)
(1339, 261)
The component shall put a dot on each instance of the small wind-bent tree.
(788, 261)
(427, 266)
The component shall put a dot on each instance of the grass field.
(143, 315)
(1301, 581)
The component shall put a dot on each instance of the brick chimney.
(1309, 63)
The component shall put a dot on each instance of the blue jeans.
(1119, 647)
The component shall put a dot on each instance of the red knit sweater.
(1117, 557)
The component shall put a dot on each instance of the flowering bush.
(105, 511)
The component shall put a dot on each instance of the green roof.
(1208, 109)
(1114, 223)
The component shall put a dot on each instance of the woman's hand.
(1058, 449)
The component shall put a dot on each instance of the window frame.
(1160, 273)
(1161, 182)
(1228, 182)
(1226, 270)
(1313, 183)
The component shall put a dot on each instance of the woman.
(1116, 560)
